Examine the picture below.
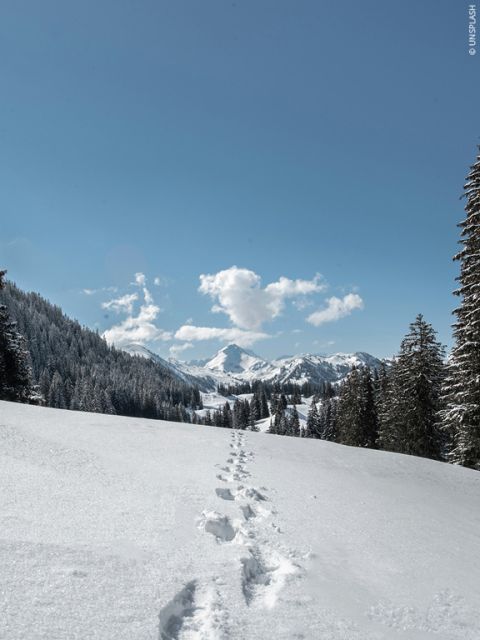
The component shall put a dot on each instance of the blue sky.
(180, 139)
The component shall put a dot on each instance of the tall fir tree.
(327, 420)
(294, 423)
(313, 421)
(356, 415)
(409, 420)
(264, 412)
(460, 417)
(370, 415)
(15, 371)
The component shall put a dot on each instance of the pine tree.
(282, 426)
(227, 416)
(294, 423)
(370, 416)
(15, 372)
(351, 412)
(409, 420)
(381, 388)
(264, 412)
(461, 416)
(56, 397)
(327, 429)
(272, 427)
(296, 396)
(253, 414)
(313, 421)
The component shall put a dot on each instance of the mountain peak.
(233, 348)
(234, 359)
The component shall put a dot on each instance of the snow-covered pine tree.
(282, 428)
(294, 423)
(460, 418)
(227, 416)
(15, 373)
(264, 412)
(327, 420)
(381, 389)
(351, 412)
(370, 416)
(312, 428)
(272, 428)
(254, 413)
(409, 417)
(55, 393)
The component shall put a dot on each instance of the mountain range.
(233, 365)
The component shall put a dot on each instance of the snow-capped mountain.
(235, 361)
(233, 364)
(317, 369)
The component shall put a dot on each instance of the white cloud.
(302, 303)
(176, 349)
(140, 279)
(239, 336)
(336, 308)
(92, 292)
(240, 296)
(138, 328)
(122, 304)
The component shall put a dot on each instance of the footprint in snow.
(247, 511)
(251, 493)
(218, 525)
(197, 611)
(225, 494)
(264, 575)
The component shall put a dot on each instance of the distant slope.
(191, 375)
(76, 369)
(232, 364)
(128, 529)
(317, 369)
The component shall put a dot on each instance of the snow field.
(123, 529)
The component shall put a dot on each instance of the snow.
(235, 360)
(233, 365)
(120, 528)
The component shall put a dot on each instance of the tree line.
(396, 408)
(422, 405)
(47, 358)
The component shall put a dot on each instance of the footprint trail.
(197, 611)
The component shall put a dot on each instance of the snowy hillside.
(127, 529)
(193, 377)
(233, 364)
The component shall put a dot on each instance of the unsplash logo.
(472, 29)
